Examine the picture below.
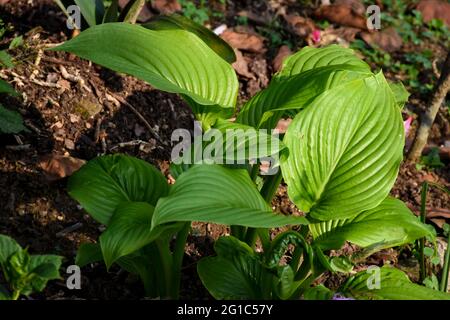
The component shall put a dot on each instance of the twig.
(131, 143)
(70, 229)
(20, 147)
(140, 116)
(427, 119)
(73, 78)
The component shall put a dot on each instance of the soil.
(80, 119)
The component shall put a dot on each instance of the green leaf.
(129, 230)
(88, 253)
(47, 260)
(311, 58)
(319, 292)
(394, 285)
(294, 93)
(161, 58)
(345, 150)
(400, 93)
(46, 271)
(389, 224)
(229, 143)
(8, 247)
(211, 193)
(92, 11)
(46, 267)
(6, 60)
(10, 121)
(105, 182)
(176, 21)
(5, 87)
(236, 273)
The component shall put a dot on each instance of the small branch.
(140, 116)
(427, 119)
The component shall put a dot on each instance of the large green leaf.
(129, 230)
(176, 21)
(88, 253)
(236, 272)
(211, 193)
(345, 150)
(92, 11)
(389, 224)
(394, 285)
(294, 93)
(10, 121)
(105, 182)
(311, 58)
(171, 60)
(8, 246)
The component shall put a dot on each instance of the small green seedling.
(25, 274)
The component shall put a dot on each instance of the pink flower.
(316, 36)
(407, 124)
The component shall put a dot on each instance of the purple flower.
(338, 296)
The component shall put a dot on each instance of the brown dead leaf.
(241, 65)
(283, 52)
(342, 14)
(356, 5)
(56, 167)
(244, 41)
(166, 6)
(434, 9)
(300, 25)
(388, 39)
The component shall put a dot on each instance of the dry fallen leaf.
(244, 41)
(388, 39)
(342, 14)
(356, 5)
(56, 167)
(342, 35)
(283, 52)
(166, 6)
(241, 65)
(300, 25)
(434, 9)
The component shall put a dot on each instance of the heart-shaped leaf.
(388, 283)
(170, 60)
(105, 182)
(345, 150)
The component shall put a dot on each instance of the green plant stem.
(445, 269)
(423, 213)
(167, 262)
(267, 192)
(178, 255)
(15, 295)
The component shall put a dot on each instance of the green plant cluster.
(25, 273)
(339, 158)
